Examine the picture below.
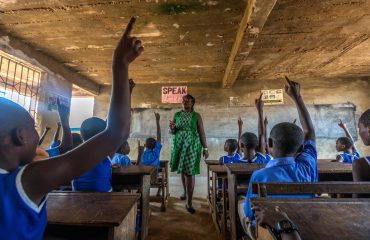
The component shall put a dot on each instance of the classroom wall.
(210, 98)
(51, 84)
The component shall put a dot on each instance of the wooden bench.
(136, 177)
(209, 177)
(263, 189)
(323, 218)
(161, 181)
(78, 215)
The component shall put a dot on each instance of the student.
(67, 142)
(361, 167)
(252, 147)
(121, 157)
(23, 189)
(285, 139)
(153, 147)
(43, 135)
(347, 146)
(231, 147)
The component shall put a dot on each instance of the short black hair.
(346, 142)
(365, 118)
(150, 143)
(249, 140)
(91, 127)
(287, 137)
(233, 144)
(77, 140)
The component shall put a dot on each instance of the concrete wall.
(50, 84)
(211, 97)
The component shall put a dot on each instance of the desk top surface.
(133, 170)
(89, 209)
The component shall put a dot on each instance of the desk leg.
(144, 200)
(232, 204)
(126, 230)
(214, 195)
(224, 210)
(208, 183)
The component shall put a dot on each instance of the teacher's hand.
(172, 126)
(205, 153)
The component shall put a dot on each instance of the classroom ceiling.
(195, 41)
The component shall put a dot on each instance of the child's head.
(343, 144)
(18, 136)
(77, 140)
(124, 148)
(91, 127)
(150, 143)
(364, 127)
(248, 141)
(285, 139)
(231, 145)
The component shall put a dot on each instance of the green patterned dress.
(186, 146)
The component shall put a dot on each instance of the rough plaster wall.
(51, 83)
(315, 92)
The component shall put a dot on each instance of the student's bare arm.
(261, 135)
(265, 123)
(348, 134)
(202, 136)
(41, 177)
(67, 142)
(240, 131)
(293, 89)
(140, 150)
(157, 119)
(56, 134)
(42, 138)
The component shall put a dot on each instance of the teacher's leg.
(190, 182)
(183, 196)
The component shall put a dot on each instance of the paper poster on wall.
(52, 101)
(173, 94)
(273, 96)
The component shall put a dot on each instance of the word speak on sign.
(173, 94)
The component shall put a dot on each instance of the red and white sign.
(173, 94)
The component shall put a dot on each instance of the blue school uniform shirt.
(151, 156)
(302, 168)
(98, 179)
(53, 152)
(258, 159)
(53, 144)
(20, 218)
(231, 159)
(348, 158)
(121, 159)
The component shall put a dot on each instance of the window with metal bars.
(20, 82)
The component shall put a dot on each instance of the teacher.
(189, 137)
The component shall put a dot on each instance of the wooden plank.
(325, 218)
(133, 170)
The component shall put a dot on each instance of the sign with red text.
(173, 94)
(273, 96)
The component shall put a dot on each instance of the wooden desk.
(325, 218)
(77, 215)
(209, 177)
(136, 177)
(161, 181)
(334, 171)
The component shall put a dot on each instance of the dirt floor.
(177, 224)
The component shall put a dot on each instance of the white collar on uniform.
(3, 171)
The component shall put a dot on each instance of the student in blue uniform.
(253, 148)
(153, 147)
(347, 146)
(121, 157)
(231, 147)
(285, 139)
(23, 189)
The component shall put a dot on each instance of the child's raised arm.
(265, 123)
(140, 151)
(348, 134)
(157, 119)
(293, 89)
(41, 177)
(56, 134)
(261, 134)
(42, 138)
(67, 142)
(240, 131)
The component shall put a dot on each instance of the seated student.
(347, 146)
(153, 147)
(285, 139)
(231, 147)
(23, 190)
(66, 143)
(121, 157)
(253, 148)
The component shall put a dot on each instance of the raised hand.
(128, 48)
(132, 84)
(140, 148)
(240, 122)
(157, 116)
(341, 124)
(259, 103)
(265, 122)
(293, 89)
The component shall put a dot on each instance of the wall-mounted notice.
(52, 101)
(173, 94)
(273, 96)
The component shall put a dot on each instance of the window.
(19, 82)
(81, 109)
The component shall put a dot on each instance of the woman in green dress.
(189, 138)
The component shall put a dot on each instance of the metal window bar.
(22, 85)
